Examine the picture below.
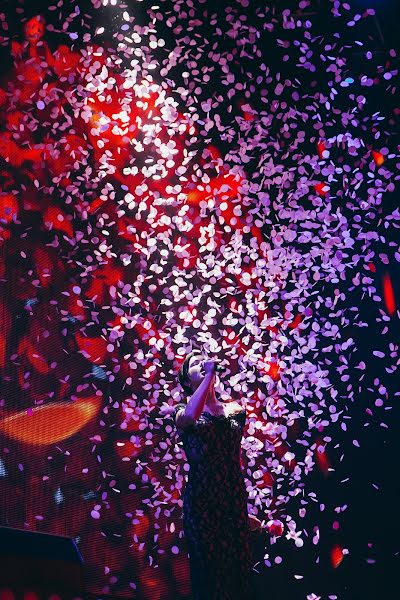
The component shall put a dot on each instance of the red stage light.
(388, 294)
(336, 556)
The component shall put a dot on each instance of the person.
(215, 520)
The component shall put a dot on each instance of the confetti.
(176, 187)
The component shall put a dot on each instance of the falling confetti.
(184, 175)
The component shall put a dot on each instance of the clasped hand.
(210, 366)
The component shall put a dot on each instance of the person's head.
(191, 372)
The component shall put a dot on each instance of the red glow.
(320, 148)
(14, 154)
(34, 29)
(153, 589)
(38, 361)
(140, 526)
(127, 450)
(296, 321)
(214, 153)
(378, 158)
(266, 480)
(5, 330)
(99, 287)
(65, 60)
(3, 97)
(388, 294)
(31, 595)
(321, 458)
(181, 574)
(322, 189)
(94, 349)
(248, 115)
(225, 186)
(271, 369)
(54, 218)
(6, 594)
(336, 556)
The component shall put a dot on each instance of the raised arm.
(195, 406)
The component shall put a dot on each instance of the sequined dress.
(215, 520)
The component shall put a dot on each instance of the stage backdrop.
(197, 174)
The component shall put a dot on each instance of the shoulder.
(181, 421)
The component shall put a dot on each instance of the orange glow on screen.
(50, 423)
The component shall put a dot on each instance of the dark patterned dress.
(215, 520)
